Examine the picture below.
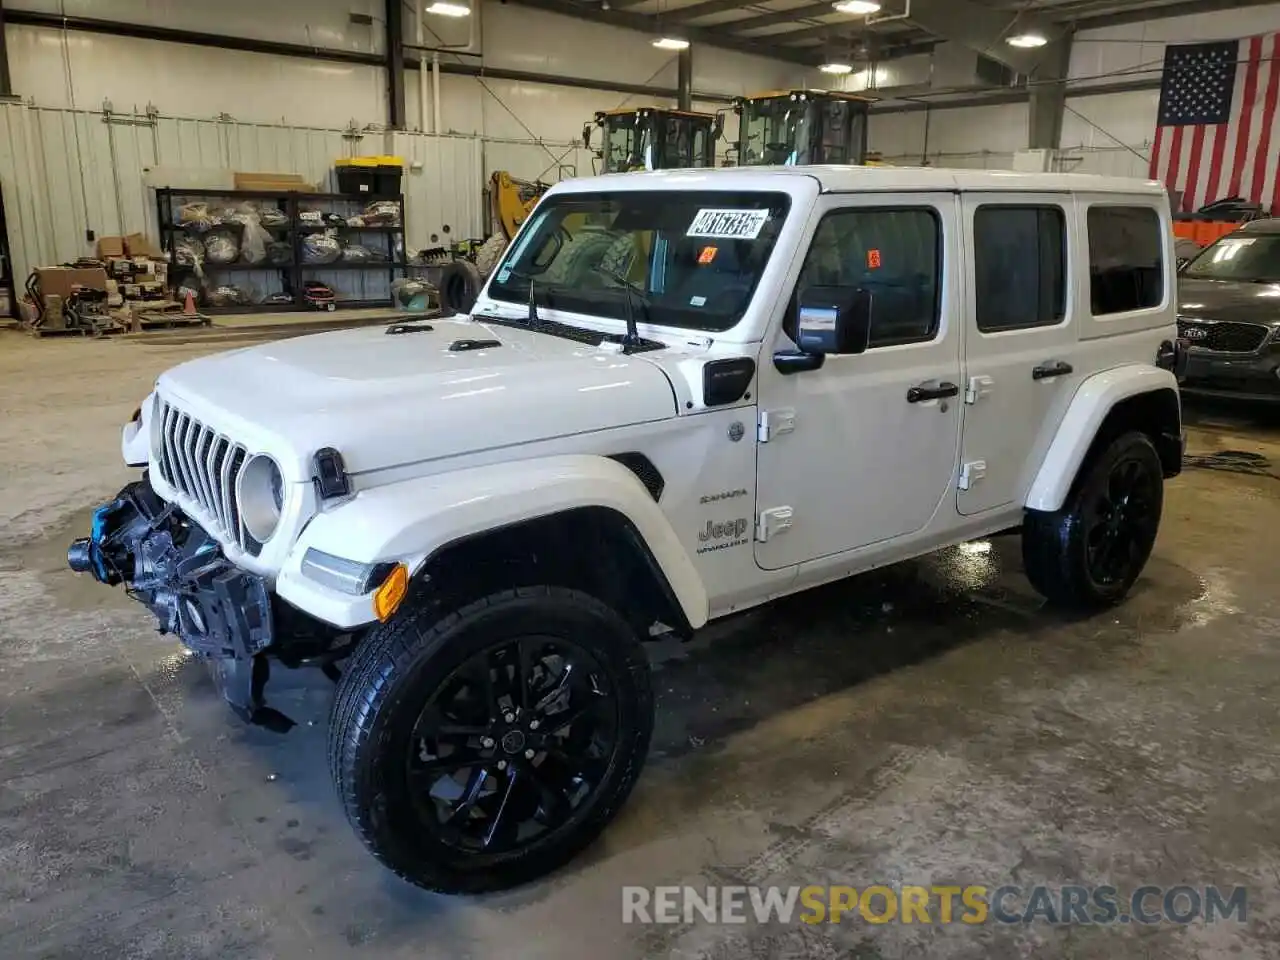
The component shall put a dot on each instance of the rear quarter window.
(1126, 259)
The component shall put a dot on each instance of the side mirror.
(834, 320)
(829, 320)
(717, 128)
(586, 136)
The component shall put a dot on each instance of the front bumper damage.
(177, 570)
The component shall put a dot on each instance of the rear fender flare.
(1093, 401)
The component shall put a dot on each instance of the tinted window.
(1126, 259)
(893, 254)
(1020, 266)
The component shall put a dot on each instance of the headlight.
(260, 494)
(345, 576)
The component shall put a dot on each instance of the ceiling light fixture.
(671, 43)
(1027, 40)
(840, 69)
(859, 8)
(441, 8)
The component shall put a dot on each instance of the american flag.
(1215, 135)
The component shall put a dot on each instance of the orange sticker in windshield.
(873, 259)
(707, 255)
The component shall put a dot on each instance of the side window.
(1126, 259)
(1020, 266)
(896, 255)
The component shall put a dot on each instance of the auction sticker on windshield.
(728, 224)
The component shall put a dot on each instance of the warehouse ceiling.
(810, 32)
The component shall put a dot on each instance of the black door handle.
(1057, 368)
(936, 392)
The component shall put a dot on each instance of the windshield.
(1238, 258)
(768, 131)
(694, 257)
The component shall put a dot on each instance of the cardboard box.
(273, 182)
(137, 245)
(110, 247)
(58, 281)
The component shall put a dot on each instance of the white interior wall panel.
(81, 70)
(1136, 50)
(967, 137)
(316, 23)
(1110, 134)
(1117, 136)
(581, 48)
(64, 171)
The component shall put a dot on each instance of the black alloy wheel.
(481, 748)
(512, 744)
(1089, 553)
(1122, 520)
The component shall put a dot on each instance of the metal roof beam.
(983, 29)
(782, 16)
(706, 9)
(1127, 17)
(650, 25)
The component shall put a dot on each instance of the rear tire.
(480, 749)
(460, 285)
(1089, 553)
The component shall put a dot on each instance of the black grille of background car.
(1226, 336)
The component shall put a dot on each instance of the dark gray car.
(1229, 314)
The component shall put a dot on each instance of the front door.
(863, 450)
(1020, 340)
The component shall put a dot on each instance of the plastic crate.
(370, 176)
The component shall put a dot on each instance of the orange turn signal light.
(388, 597)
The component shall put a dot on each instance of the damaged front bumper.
(177, 570)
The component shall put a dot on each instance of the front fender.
(411, 520)
(135, 439)
(1089, 408)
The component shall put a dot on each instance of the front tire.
(484, 748)
(1089, 553)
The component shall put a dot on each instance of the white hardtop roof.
(843, 179)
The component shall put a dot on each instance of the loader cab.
(654, 138)
(799, 127)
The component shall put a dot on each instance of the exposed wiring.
(75, 121)
(525, 127)
(1106, 133)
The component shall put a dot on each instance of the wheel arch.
(507, 507)
(593, 548)
(1106, 405)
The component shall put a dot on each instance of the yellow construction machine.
(510, 203)
(799, 127)
(638, 138)
(654, 138)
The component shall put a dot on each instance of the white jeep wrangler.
(680, 395)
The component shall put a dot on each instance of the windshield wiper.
(632, 290)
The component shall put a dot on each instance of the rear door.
(1021, 341)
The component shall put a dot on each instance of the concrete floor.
(927, 724)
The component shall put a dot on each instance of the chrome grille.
(1224, 336)
(203, 465)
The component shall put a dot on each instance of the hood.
(1229, 300)
(384, 400)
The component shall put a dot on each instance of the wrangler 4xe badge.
(722, 536)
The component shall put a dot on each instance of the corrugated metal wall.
(64, 172)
